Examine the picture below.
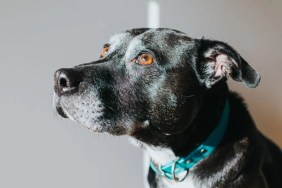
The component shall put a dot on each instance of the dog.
(168, 92)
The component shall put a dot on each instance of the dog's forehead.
(169, 42)
(162, 35)
(118, 39)
(125, 37)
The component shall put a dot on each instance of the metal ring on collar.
(173, 173)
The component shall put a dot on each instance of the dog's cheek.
(163, 111)
(172, 114)
(119, 99)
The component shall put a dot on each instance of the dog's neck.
(168, 147)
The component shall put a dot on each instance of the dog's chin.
(94, 126)
(95, 121)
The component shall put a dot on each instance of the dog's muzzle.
(67, 81)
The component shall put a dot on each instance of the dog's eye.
(145, 59)
(104, 51)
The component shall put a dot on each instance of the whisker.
(111, 108)
(190, 96)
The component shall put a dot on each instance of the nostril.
(63, 82)
(66, 79)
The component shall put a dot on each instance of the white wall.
(38, 149)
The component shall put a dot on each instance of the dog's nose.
(66, 79)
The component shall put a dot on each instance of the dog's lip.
(69, 91)
(61, 112)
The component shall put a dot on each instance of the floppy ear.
(217, 61)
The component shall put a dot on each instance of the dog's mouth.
(81, 110)
(58, 107)
(61, 112)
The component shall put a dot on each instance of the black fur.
(173, 103)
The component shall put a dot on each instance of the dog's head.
(147, 79)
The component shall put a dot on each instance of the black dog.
(168, 92)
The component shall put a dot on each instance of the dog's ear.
(217, 60)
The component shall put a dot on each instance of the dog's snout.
(66, 79)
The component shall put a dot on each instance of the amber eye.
(145, 59)
(104, 51)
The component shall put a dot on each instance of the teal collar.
(178, 169)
